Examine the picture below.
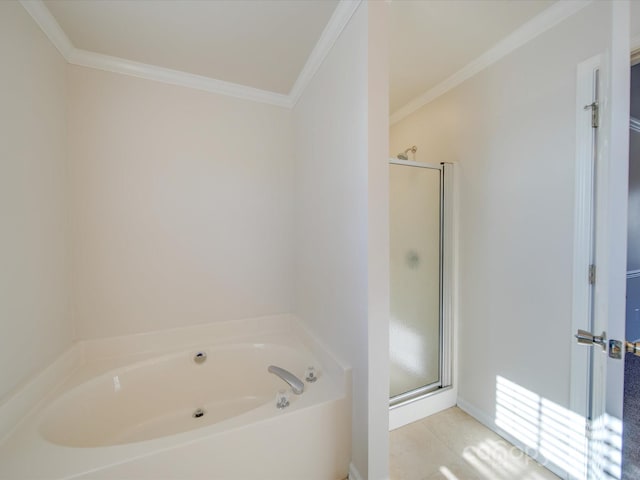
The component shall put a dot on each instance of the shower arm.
(413, 150)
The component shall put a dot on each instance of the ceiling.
(265, 43)
(431, 40)
(257, 43)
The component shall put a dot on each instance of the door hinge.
(592, 274)
(595, 113)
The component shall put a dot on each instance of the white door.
(600, 396)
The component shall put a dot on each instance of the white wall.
(182, 205)
(35, 324)
(341, 237)
(511, 130)
(378, 239)
(634, 26)
(330, 124)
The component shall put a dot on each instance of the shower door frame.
(445, 381)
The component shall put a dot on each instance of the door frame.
(583, 236)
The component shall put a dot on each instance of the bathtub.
(189, 403)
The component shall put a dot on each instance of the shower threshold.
(417, 394)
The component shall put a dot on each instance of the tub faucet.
(297, 386)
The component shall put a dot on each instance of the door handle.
(633, 347)
(588, 338)
(615, 346)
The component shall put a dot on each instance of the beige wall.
(511, 130)
(35, 325)
(182, 205)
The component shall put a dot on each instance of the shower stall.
(420, 334)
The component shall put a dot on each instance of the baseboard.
(354, 474)
(487, 421)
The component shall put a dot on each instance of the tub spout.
(297, 386)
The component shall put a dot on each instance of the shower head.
(405, 155)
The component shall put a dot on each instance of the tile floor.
(452, 445)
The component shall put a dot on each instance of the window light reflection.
(554, 434)
(406, 349)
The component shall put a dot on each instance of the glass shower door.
(415, 272)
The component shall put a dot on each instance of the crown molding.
(49, 25)
(539, 24)
(634, 124)
(75, 56)
(108, 63)
(339, 19)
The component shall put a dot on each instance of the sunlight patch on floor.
(500, 460)
(550, 432)
(448, 474)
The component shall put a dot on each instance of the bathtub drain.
(198, 413)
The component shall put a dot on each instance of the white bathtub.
(127, 410)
